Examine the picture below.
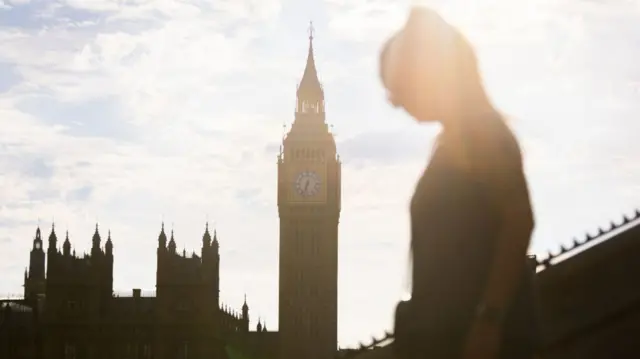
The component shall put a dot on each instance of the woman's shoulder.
(487, 144)
(493, 145)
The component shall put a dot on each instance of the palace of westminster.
(71, 311)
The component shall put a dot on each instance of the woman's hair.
(428, 48)
(431, 50)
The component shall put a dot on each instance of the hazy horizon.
(133, 113)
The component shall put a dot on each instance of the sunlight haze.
(130, 113)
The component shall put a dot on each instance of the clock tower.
(309, 210)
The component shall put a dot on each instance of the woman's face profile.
(411, 81)
(417, 97)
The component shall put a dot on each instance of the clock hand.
(306, 185)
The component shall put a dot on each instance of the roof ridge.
(363, 347)
(578, 244)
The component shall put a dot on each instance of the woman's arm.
(511, 196)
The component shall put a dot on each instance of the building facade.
(81, 317)
(69, 309)
(309, 180)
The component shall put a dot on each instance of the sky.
(130, 113)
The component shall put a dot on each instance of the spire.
(96, 238)
(172, 243)
(310, 92)
(66, 246)
(53, 239)
(206, 238)
(162, 238)
(109, 245)
(37, 241)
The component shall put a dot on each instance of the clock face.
(308, 184)
(38, 245)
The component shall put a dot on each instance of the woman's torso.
(453, 230)
(454, 227)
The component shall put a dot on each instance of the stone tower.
(309, 210)
(34, 279)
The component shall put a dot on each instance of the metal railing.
(130, 293)
(11, 296)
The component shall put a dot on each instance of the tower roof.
(96, 234)
(52, 235)
(162, 237)
(310, 86)
(206, 237)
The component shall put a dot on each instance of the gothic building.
(82, 317)
(309, 179)
(69, 309)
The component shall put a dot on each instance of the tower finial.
(311, 30)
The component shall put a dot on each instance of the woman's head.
(429, 68)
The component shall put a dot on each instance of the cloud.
(385, 148)
(8, 77)
(131, 113)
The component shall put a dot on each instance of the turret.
(162, 239)
(215, 245)
(108, 247)
(66, 246)
(206, 239)
(53, 240)
(172, 244)
(107, 285)
(245, 315)
(37, 258)
(34, 279)
(95, 248)
(215, 249)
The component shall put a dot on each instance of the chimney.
(136, 292)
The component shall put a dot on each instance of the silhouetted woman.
(471, 219)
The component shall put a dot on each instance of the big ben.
(309, 210)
